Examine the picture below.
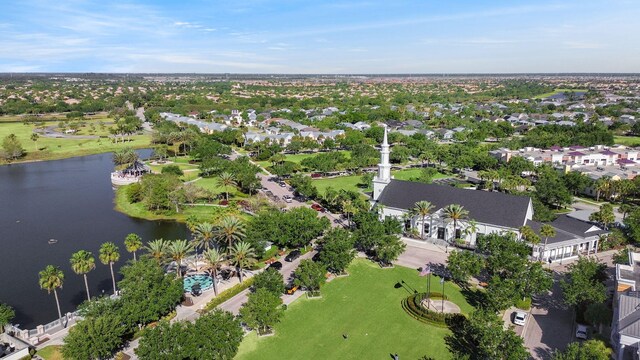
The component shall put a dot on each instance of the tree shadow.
(458, 342)
(543, 353)
(475, 297)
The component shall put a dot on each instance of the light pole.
(442, 282)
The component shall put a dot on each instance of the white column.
(621, 352)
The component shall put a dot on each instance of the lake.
(69, 200)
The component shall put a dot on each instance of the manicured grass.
(51, 352)
(556, 91)
(339, 183)
(627, 140)
(366, 307)
(297, 158)
(351, 182)
(59, 148)
(211, 184)
(408, 174)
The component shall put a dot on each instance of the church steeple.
(384, 168)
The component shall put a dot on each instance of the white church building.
(491, 212)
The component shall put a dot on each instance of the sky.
(314, 37)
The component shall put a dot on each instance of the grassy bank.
(61, 148)
(627, 140)
(137, 210)
(365, 306)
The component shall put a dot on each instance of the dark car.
(316, 257)
(292, 256)
(276, 265)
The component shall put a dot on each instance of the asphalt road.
(235, 303)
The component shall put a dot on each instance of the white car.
(581, 332)
(520, 318)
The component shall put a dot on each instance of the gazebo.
(131, 174)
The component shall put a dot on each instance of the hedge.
(524, 304)
(411, 305)
(228, 294)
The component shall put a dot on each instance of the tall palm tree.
(242, 255)
(455, 213)
(225, 180)
(133, 243)
(350, 209)
(109, 254)
(179, 250)
(547, 231)
(423, 209)
(203, 234)
(230, 230)
(51, 278)
(158, 249)
(213, 259)
(81, 263)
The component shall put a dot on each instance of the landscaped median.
(354, 319)
(226, 295)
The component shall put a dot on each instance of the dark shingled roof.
(567, 228)
(485, 207)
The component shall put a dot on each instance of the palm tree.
(472, 228)
(81, 263)
(109, 254)
(529, 235)
(423, 209)
(203, 234)
(133, 243)
(124, 156)
(158, 249)
(349, 208)
(52, 278)
(547, 231)
(242, 256)
(34, 138)
(230, 230)
(178, 250)
(213, 259)
(225, 180)
(455, 213)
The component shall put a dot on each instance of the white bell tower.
(383, 178)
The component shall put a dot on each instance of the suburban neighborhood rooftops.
(483, 206)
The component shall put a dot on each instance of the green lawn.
(51, 352)
(366, 307)
(627, 140)
(297, 158)
(53, 148)
(351, 182)
(556, 91)
(211, 184)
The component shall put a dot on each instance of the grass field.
(51, 352)
(366, 307)
(556, 91)
(58, 148)
(627, 140)
(351, 182)
(297, 158)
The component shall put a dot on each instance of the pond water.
(71, 201)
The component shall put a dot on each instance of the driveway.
(550, 325)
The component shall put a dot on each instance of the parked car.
(520, 318)
(581, 332)
(276, 265)
(292, 256)
(317, 207)
(282, 184)
(287, 198)
(291, 289)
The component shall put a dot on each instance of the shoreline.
(69, 156)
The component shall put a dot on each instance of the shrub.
(134, 193)
(524, 304)
(172, 169)
(411, 305)
(228, 294)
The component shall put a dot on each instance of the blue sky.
(287, 36)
